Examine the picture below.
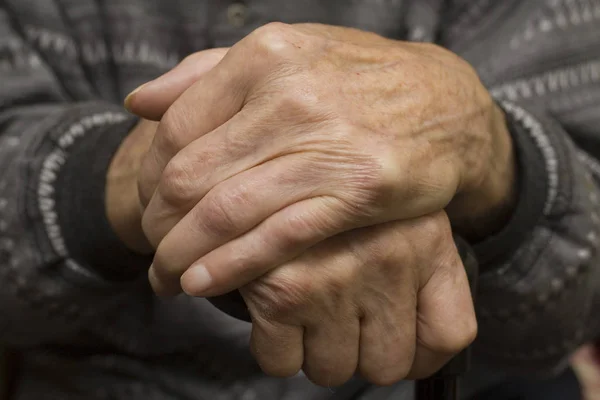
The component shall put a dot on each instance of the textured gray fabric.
(76, 303)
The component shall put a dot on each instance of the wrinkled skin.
(310, 167)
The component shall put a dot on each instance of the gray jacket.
(76, 303)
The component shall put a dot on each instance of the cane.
(445, 384)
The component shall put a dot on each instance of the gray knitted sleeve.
(539, 293)
(57, 137)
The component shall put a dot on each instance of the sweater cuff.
(534, 173)
(74, 177)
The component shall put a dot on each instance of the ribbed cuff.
(533, 190)
(86, 139)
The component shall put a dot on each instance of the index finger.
(153, 99)
(210, 102)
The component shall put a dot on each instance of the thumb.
(152, 99)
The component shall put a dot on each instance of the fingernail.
(129, 97)
(196, 280)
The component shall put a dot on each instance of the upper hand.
(300, 133)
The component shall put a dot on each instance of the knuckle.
(300, 230)
(169, 138)
(278, 296)
(370, 187)
(272, 38)
(297, 101)
(388, 250)
(458, 337)
(338, 288)
(435, 228)
(218, 215)
(324, 219)
(176, 186)
(387, 247)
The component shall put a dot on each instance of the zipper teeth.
(561, 79)
(558, 15)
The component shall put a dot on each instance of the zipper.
(550, 82)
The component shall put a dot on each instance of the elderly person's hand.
(390, 302)
(302, 133)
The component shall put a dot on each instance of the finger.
(446, 317)
(228, 150)
(152, 99)
(217, 96)
(210, 102)
(313, 291)
(280, 238)
(331, 350)
(388, 335)
(277, 348)
(237, 206)
(230, 209)
(236, 148)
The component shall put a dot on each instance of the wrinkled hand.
(390, 302)
(122, 202)
(300, 133)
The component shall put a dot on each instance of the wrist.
(485, 207)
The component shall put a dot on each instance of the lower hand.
(390, 302)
